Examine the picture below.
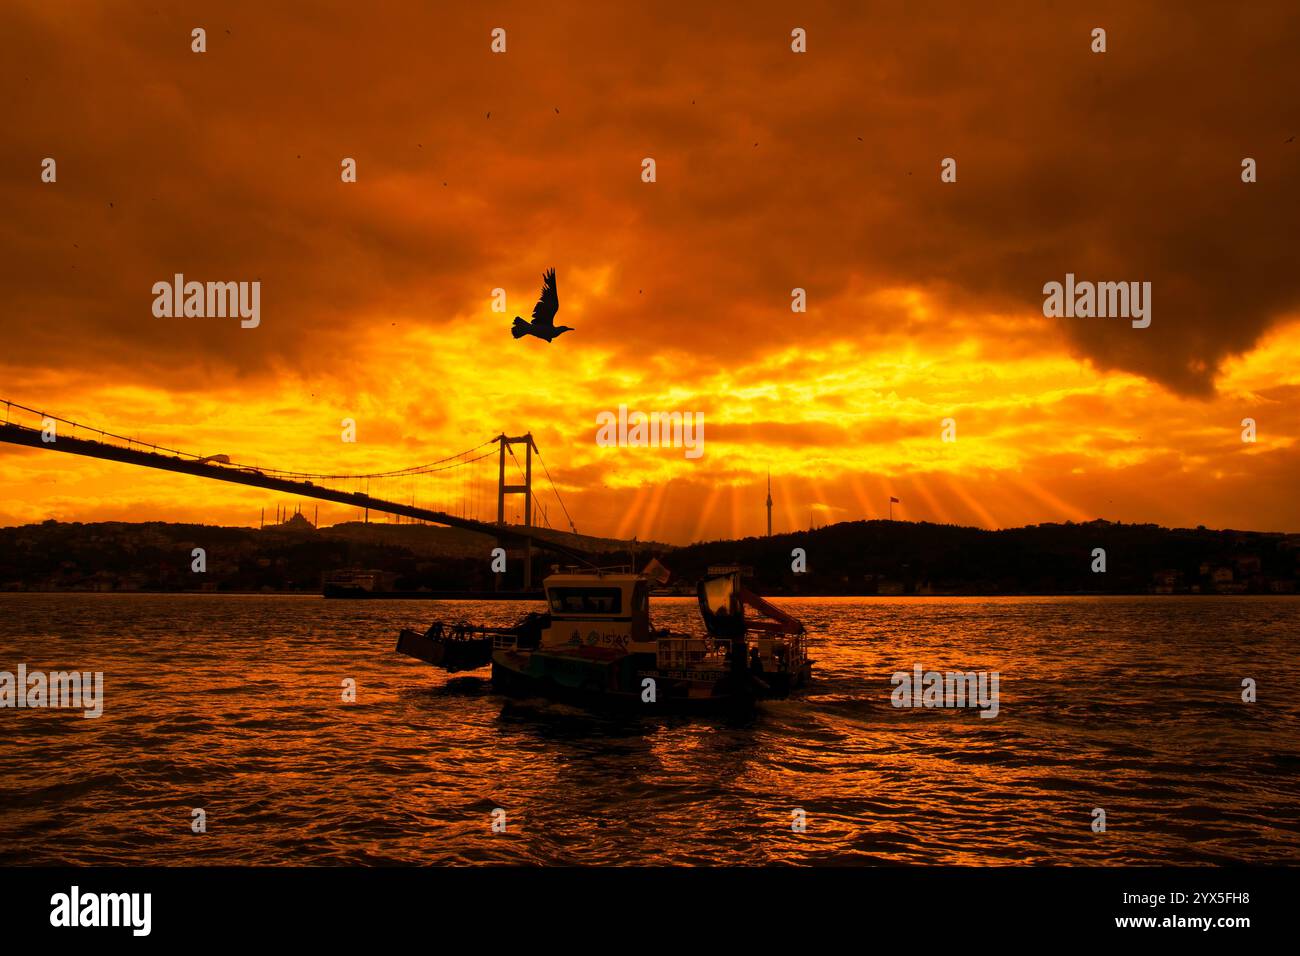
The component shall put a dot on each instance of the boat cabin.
(597, 609)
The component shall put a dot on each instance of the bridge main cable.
(401, 472)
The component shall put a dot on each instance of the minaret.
(769, 502)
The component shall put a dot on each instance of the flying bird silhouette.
(543, 325)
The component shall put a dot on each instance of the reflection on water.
(233, 704)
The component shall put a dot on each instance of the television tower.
(769, 502)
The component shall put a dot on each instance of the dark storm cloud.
(775, 171)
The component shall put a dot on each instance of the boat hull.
(618, 682)
(450, 655)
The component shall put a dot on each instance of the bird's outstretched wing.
(546, 307)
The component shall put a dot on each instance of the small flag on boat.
(894, 501)
(657, 572)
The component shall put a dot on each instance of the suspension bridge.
(456, 491)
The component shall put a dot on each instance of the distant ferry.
(595, 647)
(358, 583)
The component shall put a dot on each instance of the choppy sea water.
(233, 704)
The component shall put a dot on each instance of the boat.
(595, 646)
(355, 584)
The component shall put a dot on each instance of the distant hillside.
(454, 542)
(896, 557)
(853, 558)
(157, 556)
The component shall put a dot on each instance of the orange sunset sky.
(775, 170)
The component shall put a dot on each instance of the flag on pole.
(657, 573)
(894, 501)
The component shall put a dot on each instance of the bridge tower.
(526, 489)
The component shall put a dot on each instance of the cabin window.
(586, 600)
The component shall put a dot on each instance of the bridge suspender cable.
(556, 491)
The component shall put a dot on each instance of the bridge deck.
(32, 438)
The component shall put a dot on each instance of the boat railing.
(591, 569)
(797, 649)
(454, 631)
(685, 653)
(793, 651)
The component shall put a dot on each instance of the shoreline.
(504, 596)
